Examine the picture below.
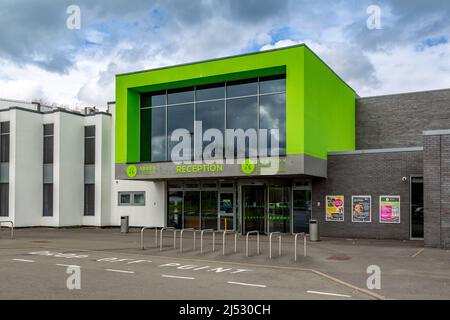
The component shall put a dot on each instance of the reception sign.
(389, 209)
(361, 208)
(334, 208)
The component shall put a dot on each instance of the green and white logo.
(131, 171)
(248, 166)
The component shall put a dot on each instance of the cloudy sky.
(40, 58)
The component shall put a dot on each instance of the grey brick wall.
(397, 121)
(367, 174)
(437, 190)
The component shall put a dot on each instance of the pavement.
(39, 263)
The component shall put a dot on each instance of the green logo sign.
(131, 171)
(248, 166)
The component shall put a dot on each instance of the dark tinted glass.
(89, 131)
(180, 96)
(48, 129)
(153, 99)
(4, 199)
(48, 149)
(158, 134)
(179, 117)
(272, 115)
(4, 148)
(89, 199)
(210, 92)
(89, 151)
(175, 209)
(48, 200)
(242, 113)
(242, 88)
(211, 114)
(4, 127)
(125, 198)
(272, 84)
(192, 209)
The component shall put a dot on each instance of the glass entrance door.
(416, 207)
(254, 208)
(279, 208)
(226, 211)
(301, 210)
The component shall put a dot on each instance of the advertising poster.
(390, 209)
(361, 208)
(335, 208)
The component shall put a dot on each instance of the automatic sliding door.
(192, 209)
(209, 209)
(226, 211)
(175, 209)
(279, 209)
(301, 210)
(254, 205)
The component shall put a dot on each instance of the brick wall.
(397, 121)
(372, 174)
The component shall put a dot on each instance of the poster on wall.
(389, 209)
(361, 208)
(335, 208)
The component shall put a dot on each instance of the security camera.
(404, 179)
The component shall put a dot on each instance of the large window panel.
(153, 99)
(175, 209)
(192, 209)
(48, 143)
(89, 199)
(48, 200)
(89, 145)
(4, 199)
(272, 115)
(184, 95)
(272, 84)
(209, 209)
(4, 141)
(242, 88)
(210, 92)
(180, 117)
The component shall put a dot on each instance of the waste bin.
(124, 224)
(313, 230)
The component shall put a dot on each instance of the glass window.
(48, 143)
(4, 141)
(279, 209)
(48, 200)
(89, 145)
(175, 209)
(242, 88)
(210, 92)
(272, 84)
(153, 99)
(89, 199)
(272, 115)
(192, 209)
(209, 209)
(153, 134)
(180, 117)
(184, 95)
(124, 198)
(4, 199)
(4, 127)
(139, 198)
(242, 113)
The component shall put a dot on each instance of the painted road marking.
(417, 253)
(120, 271)
(248, 284)
(329, 294)
(68, 265)
(23, 260)
(177, 277)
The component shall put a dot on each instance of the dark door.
(416, 207)
(301, 210)
(254, 207)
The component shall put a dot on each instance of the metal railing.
(181, 237)
(142, 236)
(11, 226)
(257, 241)
(223, 241)
(270, 243)
(174, 237)
(201, 238)
(295, 244)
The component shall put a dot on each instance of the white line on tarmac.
(417, 253)
(121, 271)
(177, 277)
(23, 260)
(248, 284)
(67, 265)
(329, 294)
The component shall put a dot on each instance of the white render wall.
(150, 215)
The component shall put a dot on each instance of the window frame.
(132, 203)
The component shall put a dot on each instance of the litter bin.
(124, 224)
(313, 230)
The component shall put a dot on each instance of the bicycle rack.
(174, 237)
(257, 241)
(270, 243)
(214, 240)
(295, 244)
(201, 238)
(142, 236)
(223, 241)
(12, 227)
(181, 237)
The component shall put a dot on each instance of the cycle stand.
(142, 236)
(181, 237)
(278, 234)
(258, 249)
(174, 237)
(295, 244)
(223, 241)
(11, 226)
